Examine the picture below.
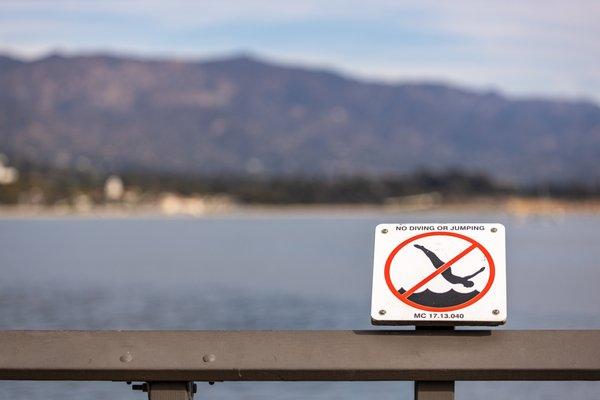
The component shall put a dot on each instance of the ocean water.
(270, 271)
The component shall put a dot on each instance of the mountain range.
(241, 115)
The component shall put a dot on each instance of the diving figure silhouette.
(447, 274)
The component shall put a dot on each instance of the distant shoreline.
(513, 206)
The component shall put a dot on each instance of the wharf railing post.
(434, 390)
(168, 390)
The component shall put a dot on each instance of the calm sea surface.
(288, 271)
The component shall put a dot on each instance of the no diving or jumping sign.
(439, 274)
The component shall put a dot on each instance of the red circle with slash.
(404, 296)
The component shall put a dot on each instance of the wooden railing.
(168, 362)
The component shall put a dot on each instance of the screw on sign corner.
(382, 312)
(496, 312)
(384, 231)
(494, 230)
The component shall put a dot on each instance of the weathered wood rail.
(167, 358)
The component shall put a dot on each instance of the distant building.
(175, 204)
(114, 188)
(8, 175)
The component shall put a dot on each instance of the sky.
(522, 48)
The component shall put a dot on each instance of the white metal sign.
(439, 274)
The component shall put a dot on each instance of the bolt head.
(125, 358)
(384, 231)
(496, 312)
(382, 312)
(209, 358)
(494, 230)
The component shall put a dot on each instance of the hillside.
(242, 115)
